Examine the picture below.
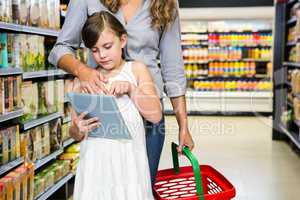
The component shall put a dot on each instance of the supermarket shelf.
(28, 29)
(55, 187)
(195, 61)
(292, 20)
(43, 74)
(217, 113)
(225, 94)
(9, 166)
(293, 136)
(39, 163)
(241, 46)
(68, 142)
(10, 71)
(210, 77)
(242, 31)
(11, 115)
(293, 64)
(36, 122)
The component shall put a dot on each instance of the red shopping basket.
(188, 183)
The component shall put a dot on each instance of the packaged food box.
(8, 187)
(59, 94)
(16, 181)
(55, 135)
(34, 13)
(3, 51)
(37, 142)
(44, 21)
(1, 148)
(65, 131)
(19, 91)
(22, 170)
(24, 9)
(48, 176)
(12, 143)
(10, 93)
(30, 180)
(2, 191)
(6, 94)
(5, 154)
(39, 185)
(45, 133)
(1, 96)
(29, 100)
(17, 132)
(24, 139)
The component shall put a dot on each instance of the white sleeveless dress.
(116, 169)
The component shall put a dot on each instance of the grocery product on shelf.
(234, 85)
(59, 95)
(30, 101)
(65, 131)
(232, 69)
(50, 175)
(10, 93)
(240, 39)
(18, 183)
(10, 144)
(55, 135)
(6, 11)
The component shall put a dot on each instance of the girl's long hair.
(163, 11)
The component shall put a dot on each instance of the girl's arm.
(144, 95)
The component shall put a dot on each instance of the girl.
(153, 31)
(114, 169)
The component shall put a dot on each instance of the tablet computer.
(105, 108)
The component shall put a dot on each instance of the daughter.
(115, 169)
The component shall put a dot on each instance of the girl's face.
(107, 52)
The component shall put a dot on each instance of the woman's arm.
(69, 39)
(174, 77)
(145, 95)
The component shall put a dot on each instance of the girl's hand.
(185, 139)
(119, 88)
(81, 127)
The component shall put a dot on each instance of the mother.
(153, 31)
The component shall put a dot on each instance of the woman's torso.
(143, 40)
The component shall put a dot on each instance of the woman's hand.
(185, 139)
(91, 80)
(118, 88)
(81, 127)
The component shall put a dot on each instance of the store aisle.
(241, 148)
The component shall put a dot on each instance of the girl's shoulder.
(138, 68)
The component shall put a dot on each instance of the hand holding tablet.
(105, 108)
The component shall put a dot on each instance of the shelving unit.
(11, 115)
(55, 187)
(27, 29)
(35, 76)
(39, 121)
(43, 74)
(10, 71)
(222, 103)
(9, 166)
(40, 163)
(288, 128)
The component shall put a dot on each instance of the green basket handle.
(195, 165)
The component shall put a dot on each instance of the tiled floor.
(241, 148)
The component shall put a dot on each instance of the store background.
(250, 132)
